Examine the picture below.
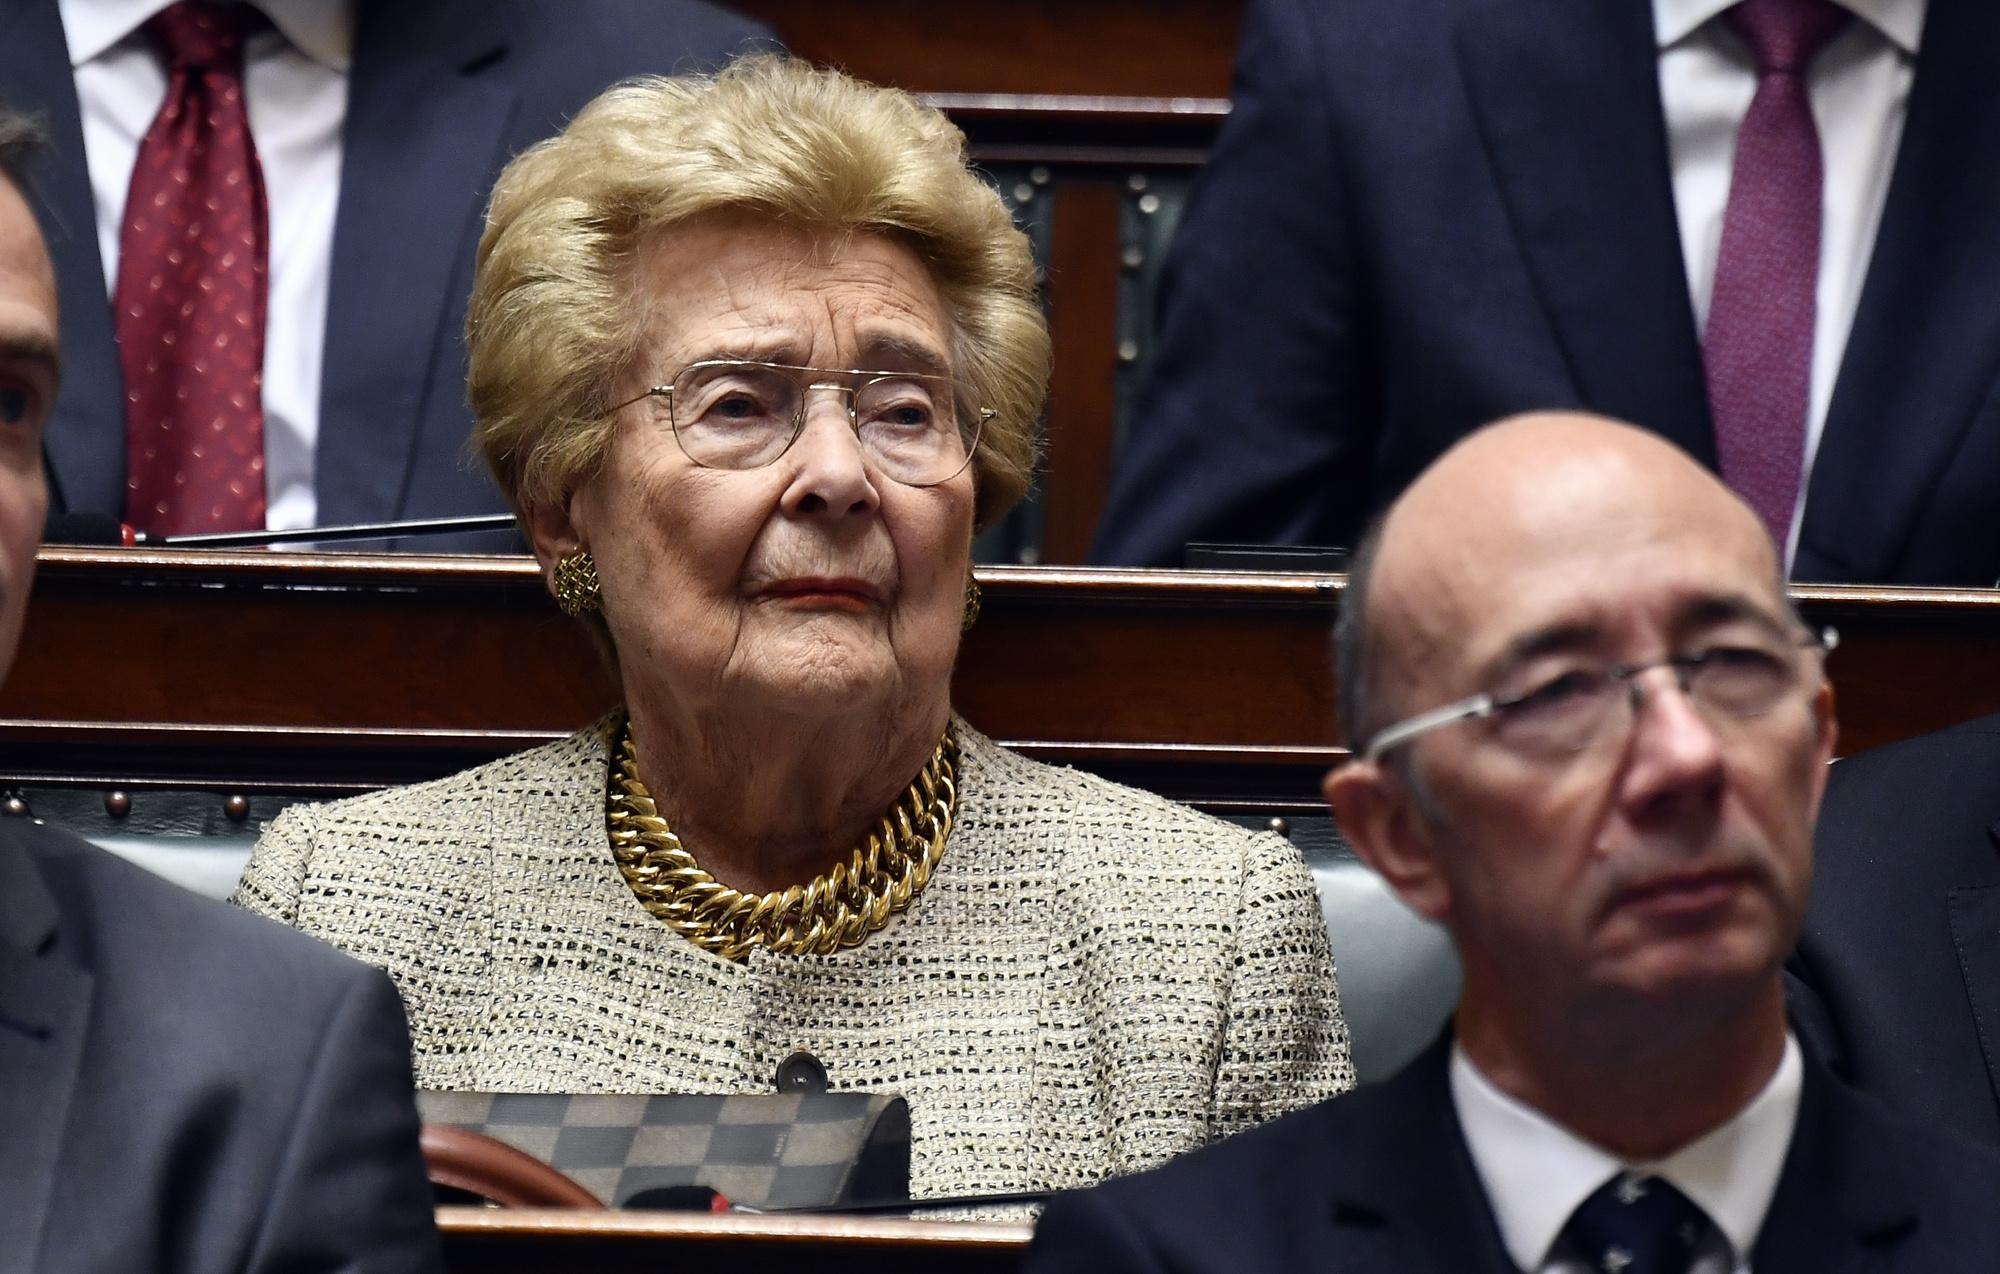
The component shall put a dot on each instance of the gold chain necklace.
(833, 910)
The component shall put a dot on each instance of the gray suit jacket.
(187, 1088)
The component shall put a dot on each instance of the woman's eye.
(739, 406)
(905, 416)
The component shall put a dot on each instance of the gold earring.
(971, 615)
(576, 583)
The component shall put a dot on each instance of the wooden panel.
(534, 1241)
(1094, 91)
(318, 674)
(1083, 323)
(1157, 48)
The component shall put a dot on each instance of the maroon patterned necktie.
(192, 289)
(1759, 342)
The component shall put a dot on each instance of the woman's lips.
(824, 592)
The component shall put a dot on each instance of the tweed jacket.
(1094, 980)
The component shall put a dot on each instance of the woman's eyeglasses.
(733, 414)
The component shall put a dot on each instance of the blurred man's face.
(29, 370)
(1666, 859)
(1673, 852)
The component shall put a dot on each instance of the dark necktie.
(191, 291)
(1636, 1225)
(1759, 341)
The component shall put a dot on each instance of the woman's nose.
(830, 474)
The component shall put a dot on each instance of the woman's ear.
(1377, 815)
(552, 531)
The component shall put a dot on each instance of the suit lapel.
(44, 1011)
(429, 105)
(1924, 351)
(1975, 933)
(86, 433)
(1576, 136)
(1845, 1196)
(1405, 1195)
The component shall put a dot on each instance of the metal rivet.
(1136, 183)
(1149, 204)
(237, 808)
(14, 807)
(1024, 193)
(117, 804)
(1282, 826)
(1133, 258)
(1029, 555)
(1128, 351)
(1039, 175)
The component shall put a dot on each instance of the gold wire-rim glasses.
(855, 380)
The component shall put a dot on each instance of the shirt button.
(801, 1073)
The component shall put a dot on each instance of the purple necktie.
(1758, 346)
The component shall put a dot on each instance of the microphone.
(92, 529)
(942, 1202)
(103, 529)
(685, 1198)
(415, 528)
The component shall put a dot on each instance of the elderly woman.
(754, 356)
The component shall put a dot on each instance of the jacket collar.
(45, 1004)
(1404, 1194)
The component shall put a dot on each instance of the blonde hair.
(554, 320)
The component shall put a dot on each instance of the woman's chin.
(826, 669)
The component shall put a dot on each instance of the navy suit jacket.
(1425, 215)
(441, 94)
(1380, 1182)
(1900, 960)
(185, 1087)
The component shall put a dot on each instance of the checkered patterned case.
(766, 1150)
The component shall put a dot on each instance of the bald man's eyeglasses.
(1567, 712)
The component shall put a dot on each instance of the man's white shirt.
(295, 89)
(1859, 86)
(1536, 1172)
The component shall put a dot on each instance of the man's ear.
(1824, 721)
(1379, 818)
(1826, 737)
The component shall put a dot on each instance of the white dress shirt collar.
(323, 30)
(1536, 1172)
(1901, 22)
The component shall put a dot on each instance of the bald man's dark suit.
(186, 1088)
(440, 95)
(1427, 214)
(1380, 1182)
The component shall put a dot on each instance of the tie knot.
(1635, 1224)
(195, 35)
(1786, 35)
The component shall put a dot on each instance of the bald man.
(1593, 737)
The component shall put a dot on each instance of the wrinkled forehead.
(1622, 571)
(734, 286)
